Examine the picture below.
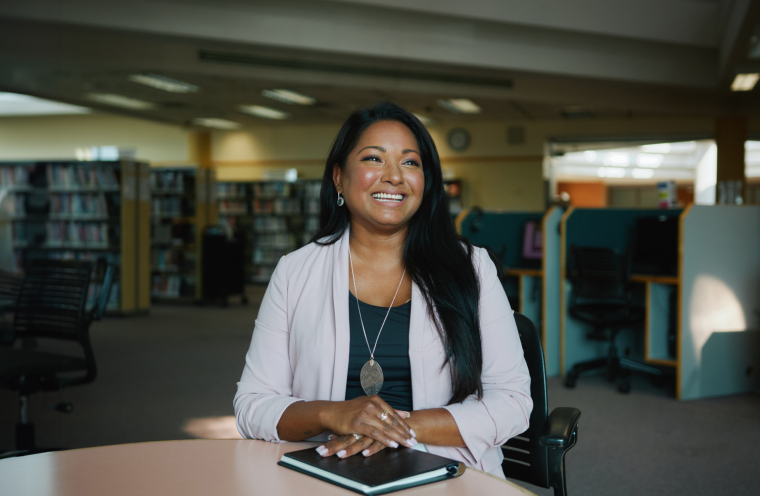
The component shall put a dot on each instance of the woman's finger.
(373, 448)
(404, 415)
(394, 422)
(356, 447)
(338, 444)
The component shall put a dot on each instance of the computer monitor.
(533, 241)
(655, 246)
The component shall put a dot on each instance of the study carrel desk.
(196, 468)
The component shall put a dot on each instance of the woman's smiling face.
(382, 182)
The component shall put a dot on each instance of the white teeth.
(387, 196)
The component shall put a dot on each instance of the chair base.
(618, 370)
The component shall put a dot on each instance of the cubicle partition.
(532, 284)
(715, 346)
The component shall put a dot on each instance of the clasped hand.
(364, 417)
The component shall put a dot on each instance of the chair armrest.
(559, 428)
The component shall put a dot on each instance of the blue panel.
(500, 232)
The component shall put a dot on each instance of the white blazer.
(300, 346)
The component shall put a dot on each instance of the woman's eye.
(373, 158)
(412, 162)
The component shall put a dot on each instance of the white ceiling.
(521, 59)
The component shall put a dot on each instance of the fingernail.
(365, 452)
(413, 442)
(322, 450)
(329, 438)
(412, 431)
(394, 444)
(341, 453)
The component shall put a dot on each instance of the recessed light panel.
(17, 104)
(289, 97)
(423, 119)
(745, 82)
(120, 101)
(460, 106)
(264, 112)
(163, 83)
(216, 123)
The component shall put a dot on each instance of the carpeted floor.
(172, 375)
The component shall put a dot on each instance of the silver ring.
(384, 416)
(357, 436)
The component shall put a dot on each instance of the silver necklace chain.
(353, 276)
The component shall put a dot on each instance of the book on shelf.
(85, 234)
(384, 472)
(230, 190)
(15, 176)
(168, 181)
(81, 176)
(233, 207)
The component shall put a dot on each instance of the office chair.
(51, 305)
(10, 285)
(601, 297)
(537, 456)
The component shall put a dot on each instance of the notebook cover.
(381, 468)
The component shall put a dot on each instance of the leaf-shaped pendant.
(371, 378)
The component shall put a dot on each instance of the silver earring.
(341, 201)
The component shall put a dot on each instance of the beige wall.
(58, 137)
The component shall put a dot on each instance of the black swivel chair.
(602, 297)
(537, 456)
(51, 305)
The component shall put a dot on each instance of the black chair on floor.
(51, 306)
(602, 297)
(537, 456)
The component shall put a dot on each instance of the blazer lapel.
(417, 321)
(342, 329)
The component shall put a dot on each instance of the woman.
(386, 285)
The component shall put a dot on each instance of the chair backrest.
(51, 303)
(10, 285)
(598, 273)
(524, 458)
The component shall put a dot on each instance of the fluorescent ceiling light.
(657, 148)
(610, 172)
(590, 156)
(642, 173)
(120, 101)
(289, 97)
(649, 160)
(744, 82)
(264, 112)
(460, 106)
(617, 159)
(163, 83)
(423, 119)
(16, 104)
(216, 123)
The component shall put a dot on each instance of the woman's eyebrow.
(372, 146)
(408, 150)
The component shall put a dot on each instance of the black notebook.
(384, 472)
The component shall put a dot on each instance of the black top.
(392, 351)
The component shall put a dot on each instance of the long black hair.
(437, 258)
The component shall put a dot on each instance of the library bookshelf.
(180, 211)
(276, 217)
(77, 210)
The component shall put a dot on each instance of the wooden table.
(197, 467)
